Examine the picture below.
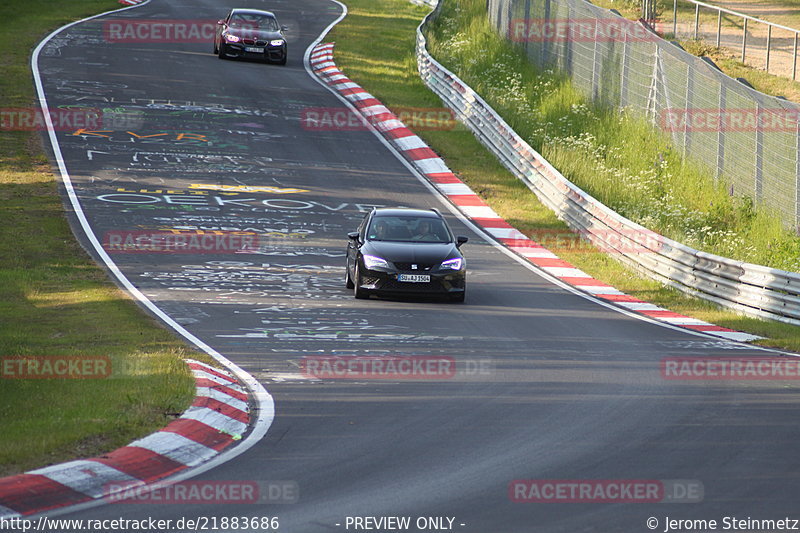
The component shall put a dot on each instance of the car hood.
(402, 252)
(258, 35)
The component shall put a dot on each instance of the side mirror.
(284, 28)
(353, 236)
(461, 240)
(220, 22)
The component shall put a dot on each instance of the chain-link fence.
(749, 140)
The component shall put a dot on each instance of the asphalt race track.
(549, 385)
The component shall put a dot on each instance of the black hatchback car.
(405, 251)
(251, 33)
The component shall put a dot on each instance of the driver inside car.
(425, 232)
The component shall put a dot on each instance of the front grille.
(367, 280)
(252, 42)
(407, 266)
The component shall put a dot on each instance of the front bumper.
(270, 53)
(443, 282)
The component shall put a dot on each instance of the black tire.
(221, 51)
(216, 50)
(282, 61)
(360, 293)
(347, 281)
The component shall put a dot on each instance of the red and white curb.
(470, 204)
(216, 419)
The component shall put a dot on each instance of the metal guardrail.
(750, 289)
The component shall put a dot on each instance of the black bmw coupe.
(405, 251)
(250, 33)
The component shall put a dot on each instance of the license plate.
(254, 49)
(414, 278)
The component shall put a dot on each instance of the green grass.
(571, 134)
(54, 301)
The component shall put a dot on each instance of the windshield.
(408, 229)
(254, 22)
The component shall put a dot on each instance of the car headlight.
(373, 261)
(276, 42)
(455, 263)
(231, 38)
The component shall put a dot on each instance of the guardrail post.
(719, 26)
(546, 18)
(797, 181)
(595, 62)
(759, 174)
(674, 19)
(744, 40)
(687, 133)
(527, 11)
(696, 19)
(623, 81)
(721, 133)
(794, 59)
(769, 42)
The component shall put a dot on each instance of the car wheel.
(216, 50)
(347, 281)
(221, 51)
(359, 292)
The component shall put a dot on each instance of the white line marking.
(176, 447)
(227, 399)
(200, 374)
(432, 165)
(87, 477)
(566, 272)
(641, 306)
(454, 188)
(479, 211)
(216, 420)
(411, 142)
